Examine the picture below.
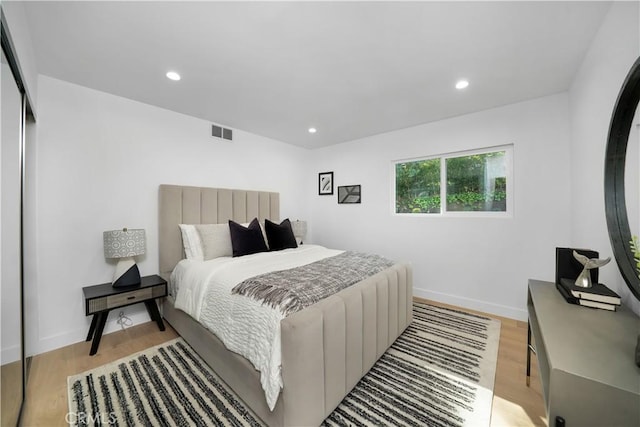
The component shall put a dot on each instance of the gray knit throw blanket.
(294, 289)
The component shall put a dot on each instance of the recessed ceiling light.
(461, 84)
(313, 130)
(173, 75)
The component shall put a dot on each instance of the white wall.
(100, 159)
(480, 263)
(592, 98)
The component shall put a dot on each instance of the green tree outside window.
(474, 183)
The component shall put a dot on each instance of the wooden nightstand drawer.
(104, 297)
(114, 301)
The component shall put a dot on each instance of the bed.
(326, 348)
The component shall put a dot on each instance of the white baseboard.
(485, 307)
(78, 335)
(10, 354)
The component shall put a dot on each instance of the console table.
(585, 358)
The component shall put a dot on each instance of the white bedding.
(244, 325)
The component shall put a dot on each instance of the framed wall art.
(349, 194)
(325, 183)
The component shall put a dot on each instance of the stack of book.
(597, 296)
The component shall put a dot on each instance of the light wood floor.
(46, 403)
(10, 392)
(514, 404)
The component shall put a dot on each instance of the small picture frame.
(325, 183)
(349, 194)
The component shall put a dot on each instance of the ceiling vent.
(220, 132)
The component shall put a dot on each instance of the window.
(474, 181)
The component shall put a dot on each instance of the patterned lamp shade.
(124, 243)
(299, 228)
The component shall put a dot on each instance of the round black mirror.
(614, 195)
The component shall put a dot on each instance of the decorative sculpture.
(584, 279)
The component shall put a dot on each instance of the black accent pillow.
(280, 236)
(246, 240)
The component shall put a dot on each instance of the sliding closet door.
(11, 355)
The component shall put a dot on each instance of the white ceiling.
(350, 69)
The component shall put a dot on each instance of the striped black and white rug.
(440, 372)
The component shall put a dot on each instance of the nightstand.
(101, 299)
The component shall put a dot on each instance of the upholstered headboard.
(199, 205)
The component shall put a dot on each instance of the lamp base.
(126, 274)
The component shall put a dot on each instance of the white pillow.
(216, 240)
(208, 241)
(191, 242)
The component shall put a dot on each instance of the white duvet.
(244, 325)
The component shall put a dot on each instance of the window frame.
(444, 213)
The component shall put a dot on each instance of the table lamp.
(299, 230)
(124, 245)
